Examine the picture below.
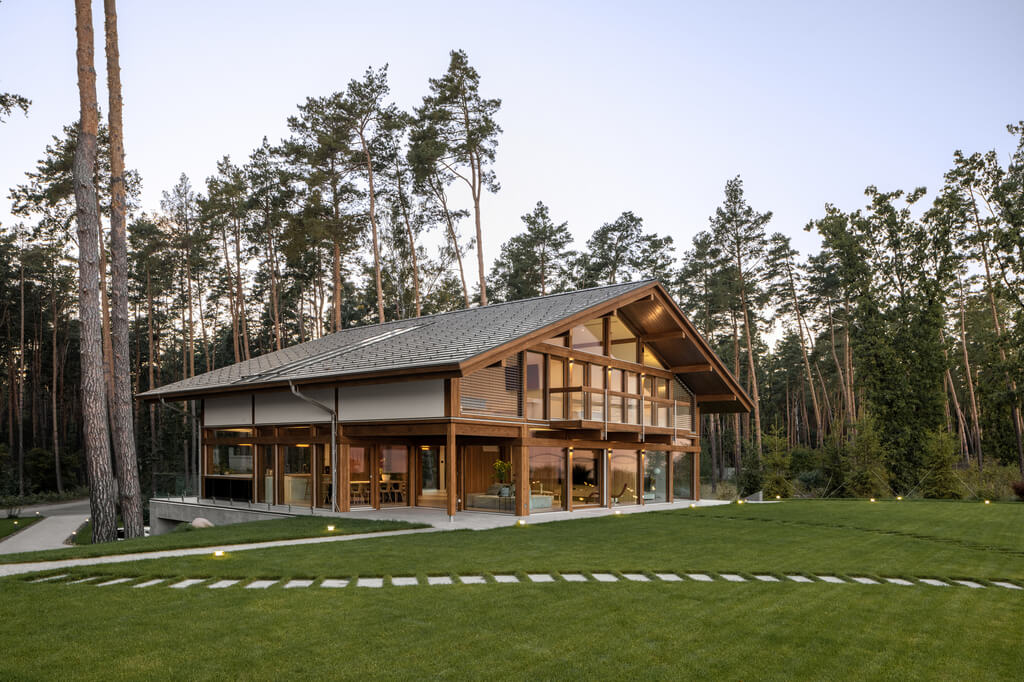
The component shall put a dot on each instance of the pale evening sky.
(642, 106)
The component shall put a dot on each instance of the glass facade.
(586, 478)
(359, 476)
(394, 475)
(589, 337)
(682, 476)
(623, 342)
(547, 479)
(623, 468)
(231, 460)
(297, 477)
(534, 386)
(656, 476)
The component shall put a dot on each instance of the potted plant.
(503, 473)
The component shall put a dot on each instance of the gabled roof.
(455, 342)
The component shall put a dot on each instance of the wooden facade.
(601, 409)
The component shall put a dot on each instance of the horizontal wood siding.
(494, 391)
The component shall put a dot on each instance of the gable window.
(589, 337)
(621, 340)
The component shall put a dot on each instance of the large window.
(359, 476)
(231, 460)
(624, 467)
(534, 386)
(547, 479)
(623, 341)
(556, 380)
(586, 478)
(298, 477)
(589, 337)
(487, 478)
(655, 476)
(682, 476)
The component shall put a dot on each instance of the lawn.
(9, 526)
(564, 630)
(186, 536)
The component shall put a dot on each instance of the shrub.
(939, 454)
(1018, 490)
(994, 482)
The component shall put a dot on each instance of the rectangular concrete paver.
(799, 578)
(636, 577)
(865, 581)
(472, 580)
(405, 581)
(733, 578)
(933, 582)
(115, 581)
(898, 581)
(221, 584)
(297, 583)
(370, 582)
(604, 577)
(439, 580)
(150, 583)
(334, 582)
(1009, 586)
(83, 580)
(767, 578)
(832, 579)
(971, 584)
(699, 577)
(669, 577)
(574, 577)
(540, 578)
(188, 582)
(506, 579)
(260, 584)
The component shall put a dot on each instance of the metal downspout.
(334, 441)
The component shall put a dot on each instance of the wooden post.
(670, 456)
(521, 474)
(696, 454)
(568, 480)
(450, 456)
(344, 477)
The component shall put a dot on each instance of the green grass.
(186, 536)
(844, 537)
(9, 526)
(563, 630)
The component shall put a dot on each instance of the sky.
(606, 107)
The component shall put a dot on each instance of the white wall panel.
(401, 400)
(235, 410)
(282, 407)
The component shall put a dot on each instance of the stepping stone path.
(404, 581)
(507, 578)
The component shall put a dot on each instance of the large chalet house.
(572, 400)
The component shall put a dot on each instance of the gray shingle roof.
(441, 340)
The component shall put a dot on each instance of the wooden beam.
(521, 474)
(450, 455)
(689, 369)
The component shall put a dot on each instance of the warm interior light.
(302, 445)
(331, 528)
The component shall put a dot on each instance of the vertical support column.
(450, 454)
(344, 477)
(696, 455)
(670, 456)
(568, 479)
(521, 474)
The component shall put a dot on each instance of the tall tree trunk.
(21, 380)
(450, 224)
(53, 393)
(94, 398)
(336, 304)
(751, 367)
(373, 227)
(121, 414)
(412, 243)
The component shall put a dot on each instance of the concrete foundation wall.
(165, 515)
